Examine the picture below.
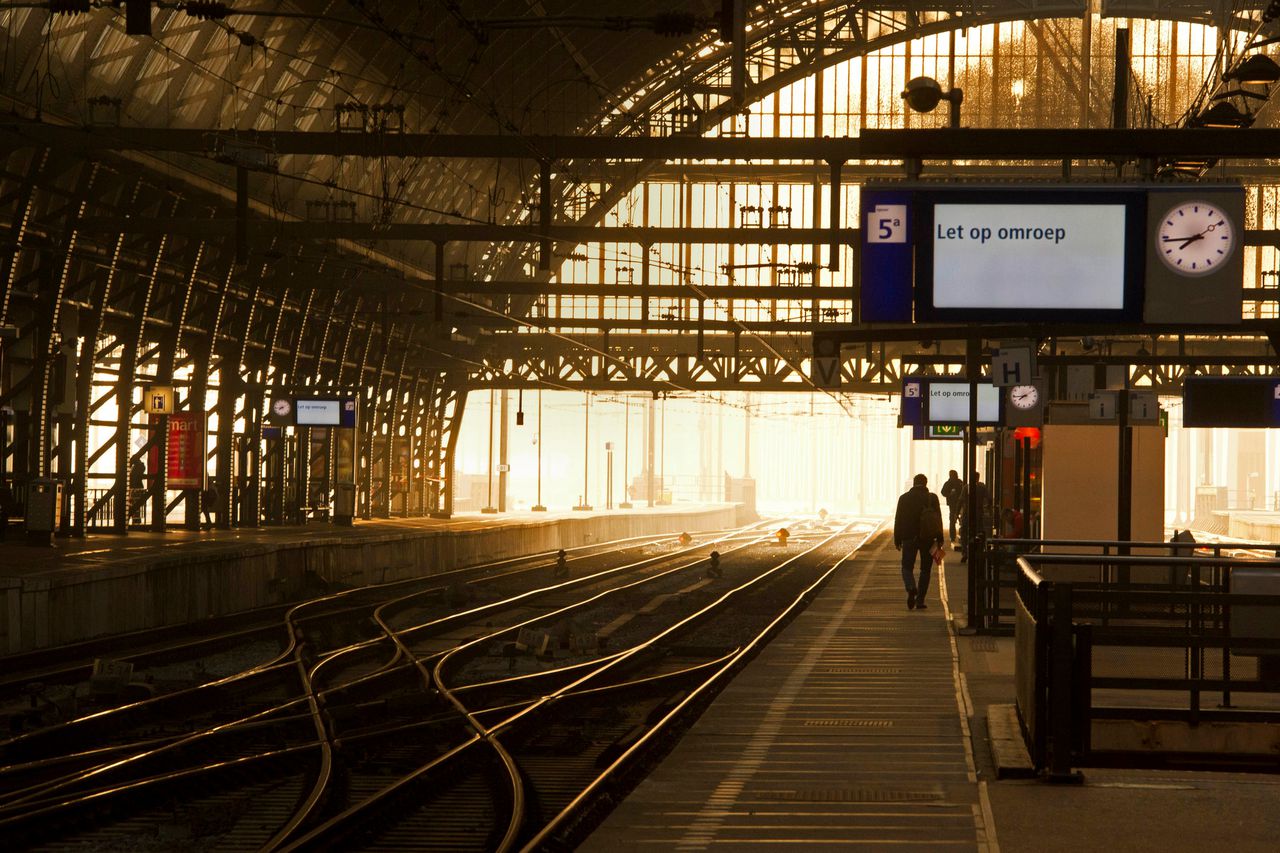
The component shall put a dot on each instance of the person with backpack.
(953, 491)
(917, 530)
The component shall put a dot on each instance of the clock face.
(282, 407)
(1195, 238)
(1024, 396)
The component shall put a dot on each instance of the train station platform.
(1251, 524)
(864, 726)
(111, 584)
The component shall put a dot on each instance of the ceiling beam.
(656, 291)
(451, 233)
(688, 326)
(983, 144)
(1253, 329)
(436, 232)
(811, 172)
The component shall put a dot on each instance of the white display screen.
(949, 403)
(1029, 256)
(319, 413)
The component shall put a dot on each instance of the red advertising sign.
(186, 468)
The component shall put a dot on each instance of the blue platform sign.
(887, 268)
(914, 390)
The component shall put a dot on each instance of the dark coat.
(906, 521)
(953, 491)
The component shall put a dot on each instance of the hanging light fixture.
(1255, 69)
(1223, 115)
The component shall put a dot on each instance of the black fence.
(1136, 660)
(994, 572)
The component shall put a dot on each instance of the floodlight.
(924, 93)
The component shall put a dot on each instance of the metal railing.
(994, 572)
(1246, 499)
(1174, 640)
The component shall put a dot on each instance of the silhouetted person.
(983, 526)
(917, 527)
(137, 489)
(1011, 525)
(209, 500)
(953, 492)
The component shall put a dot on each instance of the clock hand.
(1183, 240)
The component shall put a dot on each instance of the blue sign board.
(914, 390)
(888, 256)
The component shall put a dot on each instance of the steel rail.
(345, 819)
(260, 716)
(282, 658)
(280, 662)
(542, 838)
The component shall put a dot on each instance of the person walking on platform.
(209, 502)
(983, 528)
(953, 492)
(137, 489)
(917, 529)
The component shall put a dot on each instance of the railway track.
(517, 692)
(254, 696)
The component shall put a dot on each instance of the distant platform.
(109, 584)
(1254, 525)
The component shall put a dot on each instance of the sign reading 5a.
(887, 224)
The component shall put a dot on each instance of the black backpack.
(930, 528)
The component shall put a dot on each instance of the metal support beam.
(1120, 95)
(448, 233)
(738, 55)
(676, 290)
(544, 215)
(833, 219)
(984, 144)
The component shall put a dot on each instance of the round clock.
(1024, 396)
(282, 407)
(1195, 238)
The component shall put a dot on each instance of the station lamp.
(1256, 69)
(923, 94)
(1223, 115)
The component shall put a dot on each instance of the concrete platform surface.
(1138, 811)
(18, 558)
(847, 731)
(853, 730)
(1255, 525)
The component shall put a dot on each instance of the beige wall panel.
(1080, 481)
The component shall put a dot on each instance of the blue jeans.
(909, 551)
